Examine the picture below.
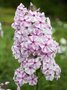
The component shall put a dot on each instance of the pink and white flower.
(34, 46)
(31, 65)
(32, 80)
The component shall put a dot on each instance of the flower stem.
(38, 81)
(37, 86)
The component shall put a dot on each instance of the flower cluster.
(4, 85)
(34, 46)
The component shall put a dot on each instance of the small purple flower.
(32, 80)
(31, 65)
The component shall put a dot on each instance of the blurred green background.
(57, 11)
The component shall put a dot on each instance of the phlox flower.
(31, 65)
(34, 47)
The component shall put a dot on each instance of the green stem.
(38, 81)
(37, 86)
